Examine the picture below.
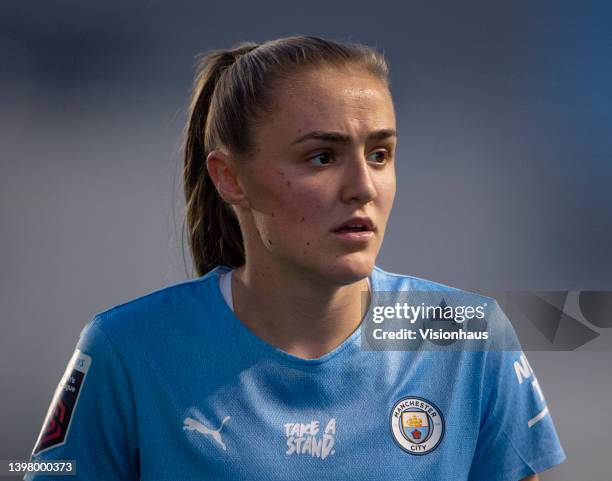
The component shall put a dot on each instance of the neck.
(299, 315)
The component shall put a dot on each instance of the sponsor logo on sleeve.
(523, 372)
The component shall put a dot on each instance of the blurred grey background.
(504, 168)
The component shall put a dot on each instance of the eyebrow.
(343, 138)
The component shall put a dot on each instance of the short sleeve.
(91, 418)
(517, 436)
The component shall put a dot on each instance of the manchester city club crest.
(417, 425)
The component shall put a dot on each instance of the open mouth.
(353, 228)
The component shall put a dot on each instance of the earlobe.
(223, 173)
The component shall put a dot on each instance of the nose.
(358, 182)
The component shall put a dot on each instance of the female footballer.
(254, 369)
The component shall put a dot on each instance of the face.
(299, 187)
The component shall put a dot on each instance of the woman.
(253, 370)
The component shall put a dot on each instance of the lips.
(356, 224)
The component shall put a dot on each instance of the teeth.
(355, 225)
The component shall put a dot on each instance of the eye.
(325, 158)
(383, 156)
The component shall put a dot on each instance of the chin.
(351, 268)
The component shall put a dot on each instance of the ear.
(222, 170)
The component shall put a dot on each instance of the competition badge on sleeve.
(57, 422)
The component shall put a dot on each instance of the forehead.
(328, 99)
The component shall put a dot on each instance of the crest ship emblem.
(417, 425)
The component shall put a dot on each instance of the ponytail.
(214, 233)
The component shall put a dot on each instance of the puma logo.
(193, 425)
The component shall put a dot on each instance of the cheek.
(386, 192)
(294, 195)
(389, 198)
(299, 209)
(290, 210)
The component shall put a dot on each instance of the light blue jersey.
(172, 386)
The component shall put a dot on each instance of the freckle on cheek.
(288, 183)
(307, 243)
(302, 219)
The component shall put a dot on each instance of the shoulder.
(392, 281)
(153, 313)
(392, 287)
